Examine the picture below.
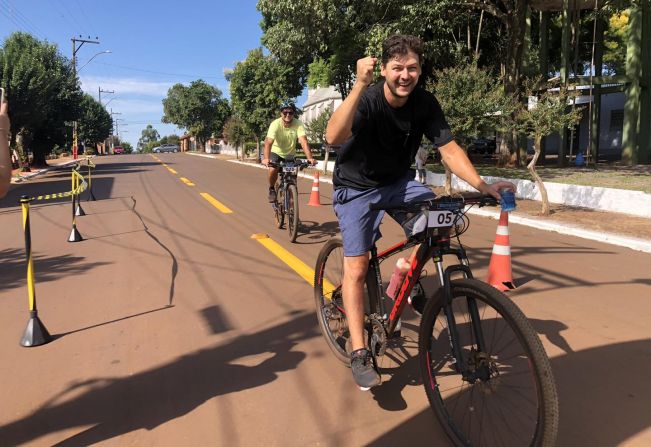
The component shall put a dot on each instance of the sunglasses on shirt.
(288, 113)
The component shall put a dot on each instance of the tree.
(258, 86)
(44, 93)
(199, 108)
(128, 149)
(236, 133)
(95, 122)
(473, 101)
(147, 136)
(548, 113)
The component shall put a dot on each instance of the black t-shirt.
(385, 139)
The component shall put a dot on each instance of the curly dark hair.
(400, 45)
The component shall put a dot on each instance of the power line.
(160, 72)
(14, 15)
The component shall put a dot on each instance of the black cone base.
(74, 235)
(80, 211)
(35, 334)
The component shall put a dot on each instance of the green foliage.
(147, 136)
(43, 91)
(319, 74)
(199, 108)
(548, 112)
(95, 122)
(615, 39)
(128, 149)
(258, 86)
(316, 128)
(472, 100)
(235, 131)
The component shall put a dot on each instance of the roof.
(321, 94)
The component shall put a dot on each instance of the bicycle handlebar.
(300, 163)
(447, 203)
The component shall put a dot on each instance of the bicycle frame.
(284, 180)
(434, 247)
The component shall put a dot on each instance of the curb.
(539, 223)
(22, 178)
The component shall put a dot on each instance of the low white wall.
(606, 199)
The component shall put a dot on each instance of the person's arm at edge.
(306, 149)
(457, 160)
(267, 150)
(340, 126)
(5, 157)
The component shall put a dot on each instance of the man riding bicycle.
(280, 142)
(380, 129)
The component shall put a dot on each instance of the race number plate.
(437, 219)
(290, 169)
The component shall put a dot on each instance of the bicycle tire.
(328, 275)
(279, 208)
(468, 411)
(292, 212)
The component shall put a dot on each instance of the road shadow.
(14, 267)
(603, 403)
(310, 232)
(114, 406)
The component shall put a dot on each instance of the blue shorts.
(360, 227)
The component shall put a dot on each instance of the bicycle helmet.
(288, 105)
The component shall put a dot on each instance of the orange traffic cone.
(499, 269)
(314, 197)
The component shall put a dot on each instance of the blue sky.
(153, 45)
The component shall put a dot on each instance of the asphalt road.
(172, 326)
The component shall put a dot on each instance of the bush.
(250, 148)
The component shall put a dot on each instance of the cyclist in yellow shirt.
(280, 142)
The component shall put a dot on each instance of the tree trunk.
(539, 183)
(515, 25)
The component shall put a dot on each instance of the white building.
(318, 101)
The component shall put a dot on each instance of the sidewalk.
(17, 176)
(567, 218)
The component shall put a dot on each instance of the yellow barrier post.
(35, 334)
(74, 233)
(91, 196)
(79, 211)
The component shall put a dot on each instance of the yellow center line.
(186, 181)
(172, 171)
(294, 263)
(216, 203)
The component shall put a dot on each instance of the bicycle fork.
(445, 278)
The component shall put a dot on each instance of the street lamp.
(94, 56)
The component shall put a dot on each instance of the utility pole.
(99, 94)
(99, 98)
(76, 48)
(115, 126)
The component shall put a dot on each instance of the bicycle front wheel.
(279, 211)
(292, 212)
(502, 393)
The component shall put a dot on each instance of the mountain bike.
(286, 202)
(484, 369)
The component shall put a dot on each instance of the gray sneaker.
(364, 373)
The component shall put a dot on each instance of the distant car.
(482, 146)
(166, 148)
(118, 150)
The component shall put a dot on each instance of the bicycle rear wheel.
(292, 212)
(505, 394)
(328, 276)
